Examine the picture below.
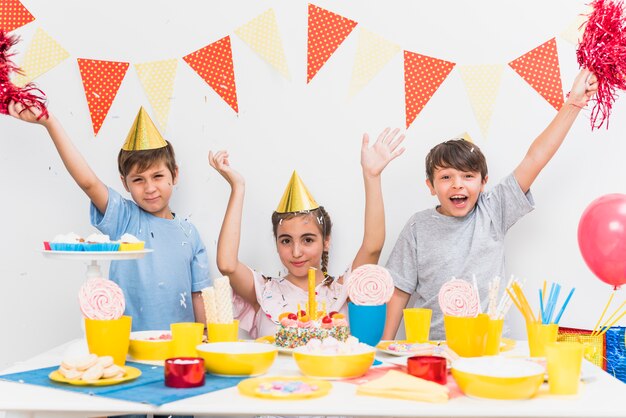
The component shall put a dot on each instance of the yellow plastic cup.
(417, 324)
(109, 337)
(223, 333)
(564, 363)
(539, 335)
(494, 337)
(185, 337)
(467, 336)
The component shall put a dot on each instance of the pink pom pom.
(603, 51)
(29, 95)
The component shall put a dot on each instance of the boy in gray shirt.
(464, 235)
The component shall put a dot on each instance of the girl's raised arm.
(240, 275)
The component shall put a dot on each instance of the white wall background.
(285, 125)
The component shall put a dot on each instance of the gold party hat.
(466, 137)
(296, 197)
(143, 134)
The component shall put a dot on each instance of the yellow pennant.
(482, 83)
(42, 54)
(262, 35)
(372, 54)
(157, 79)
(574, 32)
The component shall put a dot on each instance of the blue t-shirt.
(158, 286)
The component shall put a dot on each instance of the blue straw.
(554, 297)
(558, 317)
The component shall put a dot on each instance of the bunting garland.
(326, 31)
(482, 83)
(43, 54)
(13, 15)
(262, 35)
(214, 63)
(422, 77)
(373, 53)
(540, 69)
(101, 80)
(157, 79)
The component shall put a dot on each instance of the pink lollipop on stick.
(370, 284)
(101, 299)
(458, 298)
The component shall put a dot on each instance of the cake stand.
(93, 269)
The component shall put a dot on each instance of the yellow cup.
(109, 337)
(467, 336)
(417, 324)
(223, 333)
(494, 337)
(185, 337)
(539, 335)
(564, 364)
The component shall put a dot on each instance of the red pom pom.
(603, 51)
(29, 95)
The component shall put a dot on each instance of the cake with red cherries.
(297, 330)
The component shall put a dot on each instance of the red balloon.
(602, 238)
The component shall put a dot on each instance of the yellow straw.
(610, 317)
(613, 323)
(540, 313)
(596, 329)
(524, 301)
(516, 303)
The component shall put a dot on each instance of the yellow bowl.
(146, 345)
(237, 358)
(498, 377)
(333, 366)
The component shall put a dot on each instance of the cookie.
(70, 374)
(84, 363)
(95, 372)
(112, 372)
(105, 361)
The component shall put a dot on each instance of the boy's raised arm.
(373, 161)
(548, 142)
(240, 275)
(74, 162)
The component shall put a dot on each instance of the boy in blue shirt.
(464, 235)
(163, 287)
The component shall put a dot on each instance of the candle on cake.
(312, 304)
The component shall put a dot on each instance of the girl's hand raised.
(387, 147)
(28, 114)
(219, 161)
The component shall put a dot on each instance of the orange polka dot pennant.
(101, 80)
(540, 69)
(13, 14)
(214, 63)
(326, 32)
(422, 77)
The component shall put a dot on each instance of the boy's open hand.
(28, 114)
(219, 161)
(387, 147)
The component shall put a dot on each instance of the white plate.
(95, 255)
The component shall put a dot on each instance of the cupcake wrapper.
(132, 246)
(106, 246)
(62, 246)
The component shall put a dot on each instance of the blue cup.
(367, 322)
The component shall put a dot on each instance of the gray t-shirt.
(432, 248)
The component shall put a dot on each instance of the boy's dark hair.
(325, 225)
(458, 154)
(127, 160)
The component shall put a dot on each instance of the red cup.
(184, 372)
(433, 368)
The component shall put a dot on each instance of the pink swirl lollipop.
(101, 299)
(370, 284)
(458, 298)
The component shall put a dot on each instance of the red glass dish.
(184, 372)
(433, 368)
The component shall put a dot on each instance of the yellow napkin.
(400, 385)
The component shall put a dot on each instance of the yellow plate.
(269, 339)
(130, 373)
(506, 344)
(252, 387)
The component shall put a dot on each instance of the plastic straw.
(595, 328)
(569, 296)
(541, 312)
(603, 328)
